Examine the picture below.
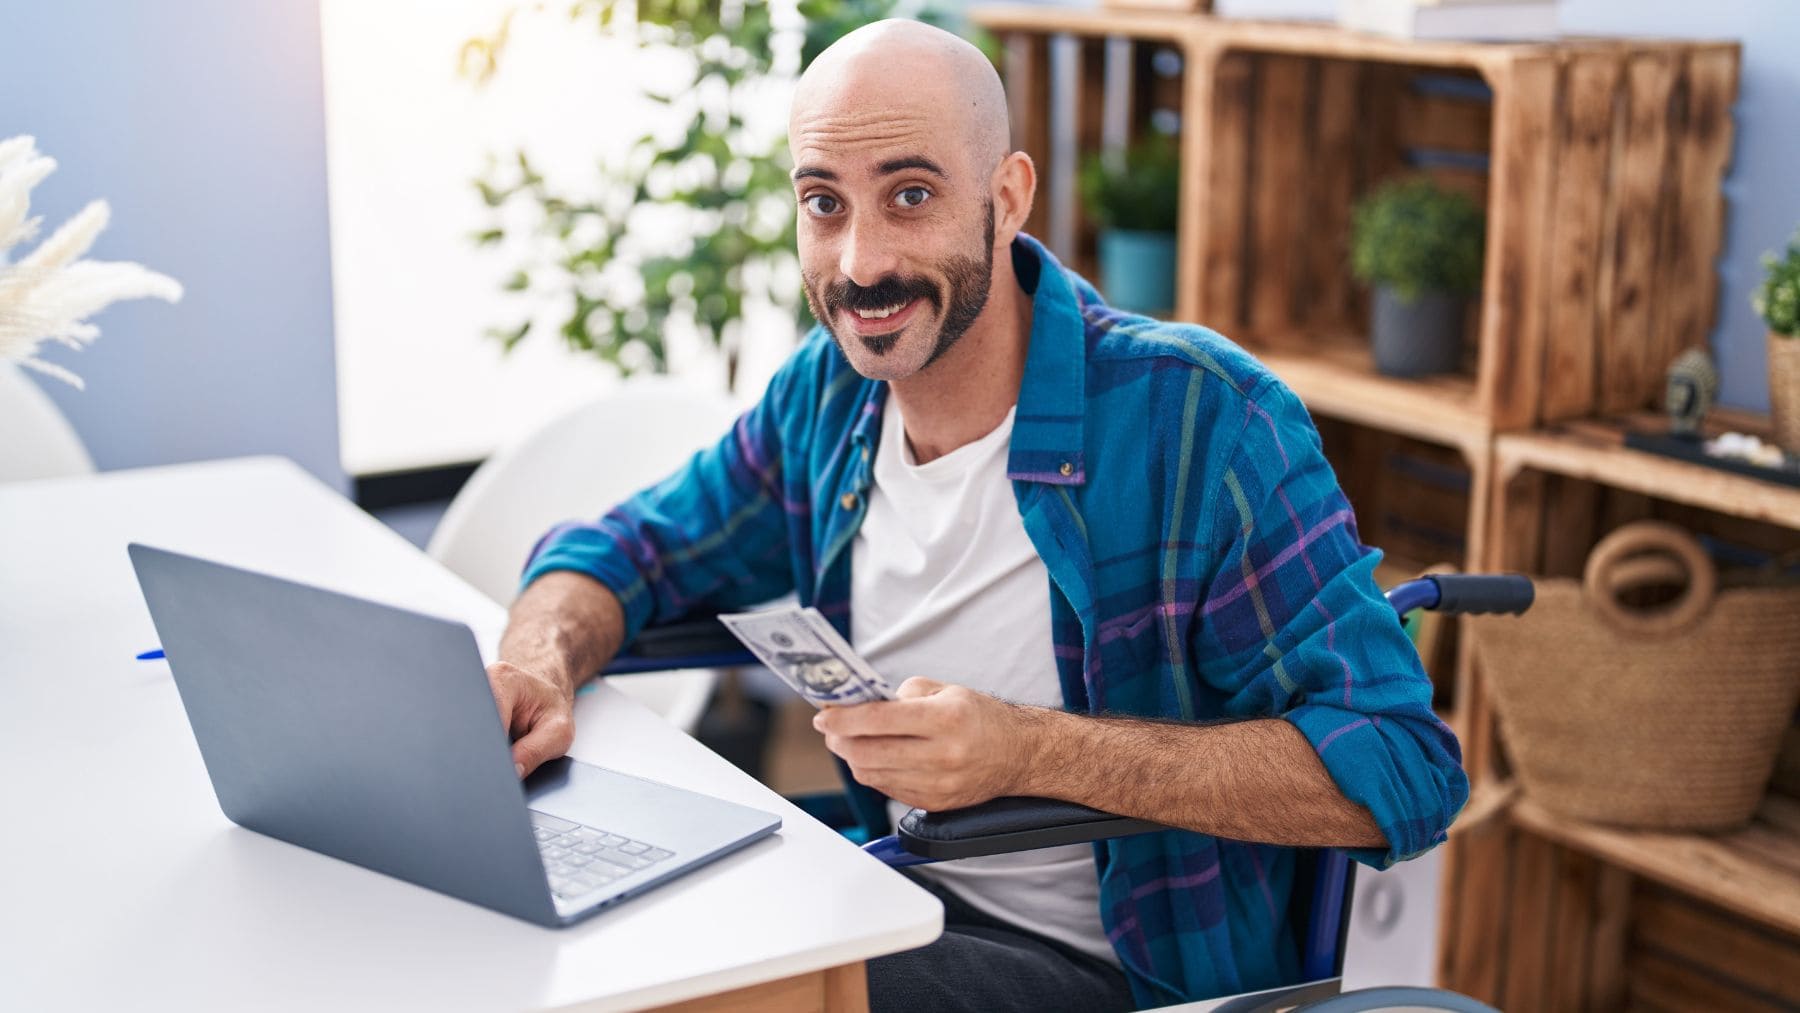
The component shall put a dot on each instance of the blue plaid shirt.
(1204, 565)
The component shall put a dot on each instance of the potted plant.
(1777, 300)
(691, 225)
(1419, 245)
(1134, 199)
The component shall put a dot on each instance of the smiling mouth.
(882, 320)
(880, 314)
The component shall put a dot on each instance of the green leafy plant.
(1415, 236)
(1777, 299)
(1139, 191)
(691, 224)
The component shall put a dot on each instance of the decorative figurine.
(1693, 384)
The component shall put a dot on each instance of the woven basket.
(1667, 718)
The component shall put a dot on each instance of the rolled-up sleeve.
(713, 534)
(1292, 625)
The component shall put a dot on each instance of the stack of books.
(1452, 19)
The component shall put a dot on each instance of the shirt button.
(1067, 469)
(849, 501)
(865, 455)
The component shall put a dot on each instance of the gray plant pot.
(1416, 338)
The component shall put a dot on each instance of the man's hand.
(564, 626)
(937, 746)
(538, 712)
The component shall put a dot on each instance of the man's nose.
(867, 255)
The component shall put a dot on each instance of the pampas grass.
(48, 294)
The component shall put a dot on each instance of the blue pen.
(151, 655)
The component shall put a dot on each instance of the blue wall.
(202, 123)
(1763, 188)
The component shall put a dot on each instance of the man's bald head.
(906, 190)
(897, 74)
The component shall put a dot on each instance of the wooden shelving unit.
(1599, 162)
(1595, 450)
(1337, 378)
(1536, 877)
(1754, 872)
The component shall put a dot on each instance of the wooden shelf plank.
(1135, 24)
(1312, 38)
(1754, 872)
(1339, 381)
(1596, 452)
(1299, 37)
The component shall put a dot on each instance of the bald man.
(1104, 553)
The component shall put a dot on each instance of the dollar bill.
(800, 645)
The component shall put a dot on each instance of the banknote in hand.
(801, 646)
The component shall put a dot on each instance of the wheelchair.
(1322, 895)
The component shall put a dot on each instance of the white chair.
(579, 466)
(36, 441)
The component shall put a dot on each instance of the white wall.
(419, 382)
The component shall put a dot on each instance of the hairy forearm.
(1253, 780)
(564, 626)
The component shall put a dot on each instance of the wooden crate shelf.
(1555, 493)
(1754, 872)
(1683, 954)
(1335, 376)
(1585, 918)
(1599, 162)
(1595, 450)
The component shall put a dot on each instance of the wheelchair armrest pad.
(1011, 824)
(704, 635)
(703, 642)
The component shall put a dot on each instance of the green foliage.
(1142, 191)
(1777, 299)
(1415, 236)
(683, 229)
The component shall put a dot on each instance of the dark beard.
(967, 279)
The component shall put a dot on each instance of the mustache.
(891, 290)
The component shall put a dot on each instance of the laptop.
(369, 733)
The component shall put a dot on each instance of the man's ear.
(1015, 186)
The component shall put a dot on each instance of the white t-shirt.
(945, 584)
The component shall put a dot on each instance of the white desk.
(123, 886)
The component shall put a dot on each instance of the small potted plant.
(1134, 200)
(1419, 246)
(1777, 300)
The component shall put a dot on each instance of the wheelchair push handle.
(1483, 593)
(1466, 593)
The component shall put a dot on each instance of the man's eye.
(821, 204)
(912, 196)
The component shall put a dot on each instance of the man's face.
(896, 243)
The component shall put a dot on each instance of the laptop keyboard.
(582, 859)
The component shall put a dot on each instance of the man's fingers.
(917, 686)
(878, 717)
(875, 753)
(548, 739)
(504, 693)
